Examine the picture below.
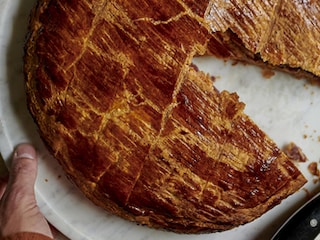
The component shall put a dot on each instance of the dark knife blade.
(304, 224)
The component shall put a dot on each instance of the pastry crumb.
(294, 153)
(313, 168)
(308, 194)
(267, 73)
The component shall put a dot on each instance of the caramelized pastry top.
(138, 130)
(281, 32)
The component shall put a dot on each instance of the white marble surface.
(287, 109)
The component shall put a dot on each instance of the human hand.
(19, 211)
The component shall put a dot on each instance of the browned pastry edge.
(234, 50)
(155, 220)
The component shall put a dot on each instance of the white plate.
(287, 109)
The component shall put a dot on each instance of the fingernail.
(24, 151)
(23, 155)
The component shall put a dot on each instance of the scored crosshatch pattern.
(295, 101)
(139, 135)
(281, 32)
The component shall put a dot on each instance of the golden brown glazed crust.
(139, 131)
(280, 34)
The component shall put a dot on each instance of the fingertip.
(25, 151)
(24, 165)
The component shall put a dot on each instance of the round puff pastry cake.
(142, 133)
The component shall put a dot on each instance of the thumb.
(18, 207)
(23, 169)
